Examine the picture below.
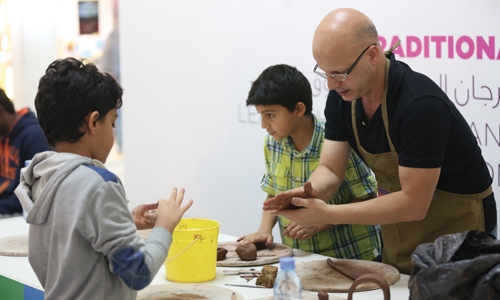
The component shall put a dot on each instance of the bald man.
(432, 177)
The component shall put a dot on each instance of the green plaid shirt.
(288, 168)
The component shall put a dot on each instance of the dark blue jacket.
(24, 140)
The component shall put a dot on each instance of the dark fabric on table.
(457, 266)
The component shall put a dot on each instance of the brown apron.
(448, 213)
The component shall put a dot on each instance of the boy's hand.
(257, 237)
(284, 200)
(143, 218)
(170, 211)
(295, 231)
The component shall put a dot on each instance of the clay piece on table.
(260, 245)
(371, 277)
(267, 276)
(322, 295)
(221, 253)
(247, 251)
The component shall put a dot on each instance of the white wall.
(187, 67)
(33, 34)
(40, 33)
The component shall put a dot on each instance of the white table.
(19, 269)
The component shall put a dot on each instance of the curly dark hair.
(68, 92)
(281, 85)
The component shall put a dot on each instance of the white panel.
(33, 44)
(188, 65)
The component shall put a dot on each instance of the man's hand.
(143, 218)
(284, 200)
(310, 212)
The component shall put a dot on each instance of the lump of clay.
(221, 253)
(267, 276)
(247, 251)
(322, 295)
(260, 245)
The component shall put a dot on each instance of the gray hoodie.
(82, 237)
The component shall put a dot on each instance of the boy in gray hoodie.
(82, 237)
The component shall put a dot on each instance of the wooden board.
(306, 295)
(179, 291)
(264, 257)
(16, 245)
(318, 275)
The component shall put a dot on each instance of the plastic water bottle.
(287, 285)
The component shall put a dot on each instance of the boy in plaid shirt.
(282, 95)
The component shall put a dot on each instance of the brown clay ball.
(247, 251)
(260, 245)
(221, 253)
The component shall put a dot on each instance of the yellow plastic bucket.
(192, 257)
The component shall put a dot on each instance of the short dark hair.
(281, 85)
(6, 102)
(68, 92)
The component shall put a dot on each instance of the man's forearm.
(325, 182)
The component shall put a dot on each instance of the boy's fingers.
(151, 215)
(180, 196)
(187, 205)
(151, 206)
(173, 194)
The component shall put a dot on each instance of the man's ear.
(91, 122)
(300, 109)
(375, 54)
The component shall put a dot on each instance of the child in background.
(282, 96)
(82, 237)
(20, 139)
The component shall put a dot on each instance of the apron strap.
(388, 52)
(385, 117)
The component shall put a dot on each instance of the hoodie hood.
(41, 179)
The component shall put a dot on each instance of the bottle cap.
(287, 263)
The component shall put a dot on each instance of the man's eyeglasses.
(343, 76)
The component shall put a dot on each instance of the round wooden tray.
(179, 291)
(318, 275)
(16, 245)
(264, 257)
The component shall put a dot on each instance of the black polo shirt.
(426, 129)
